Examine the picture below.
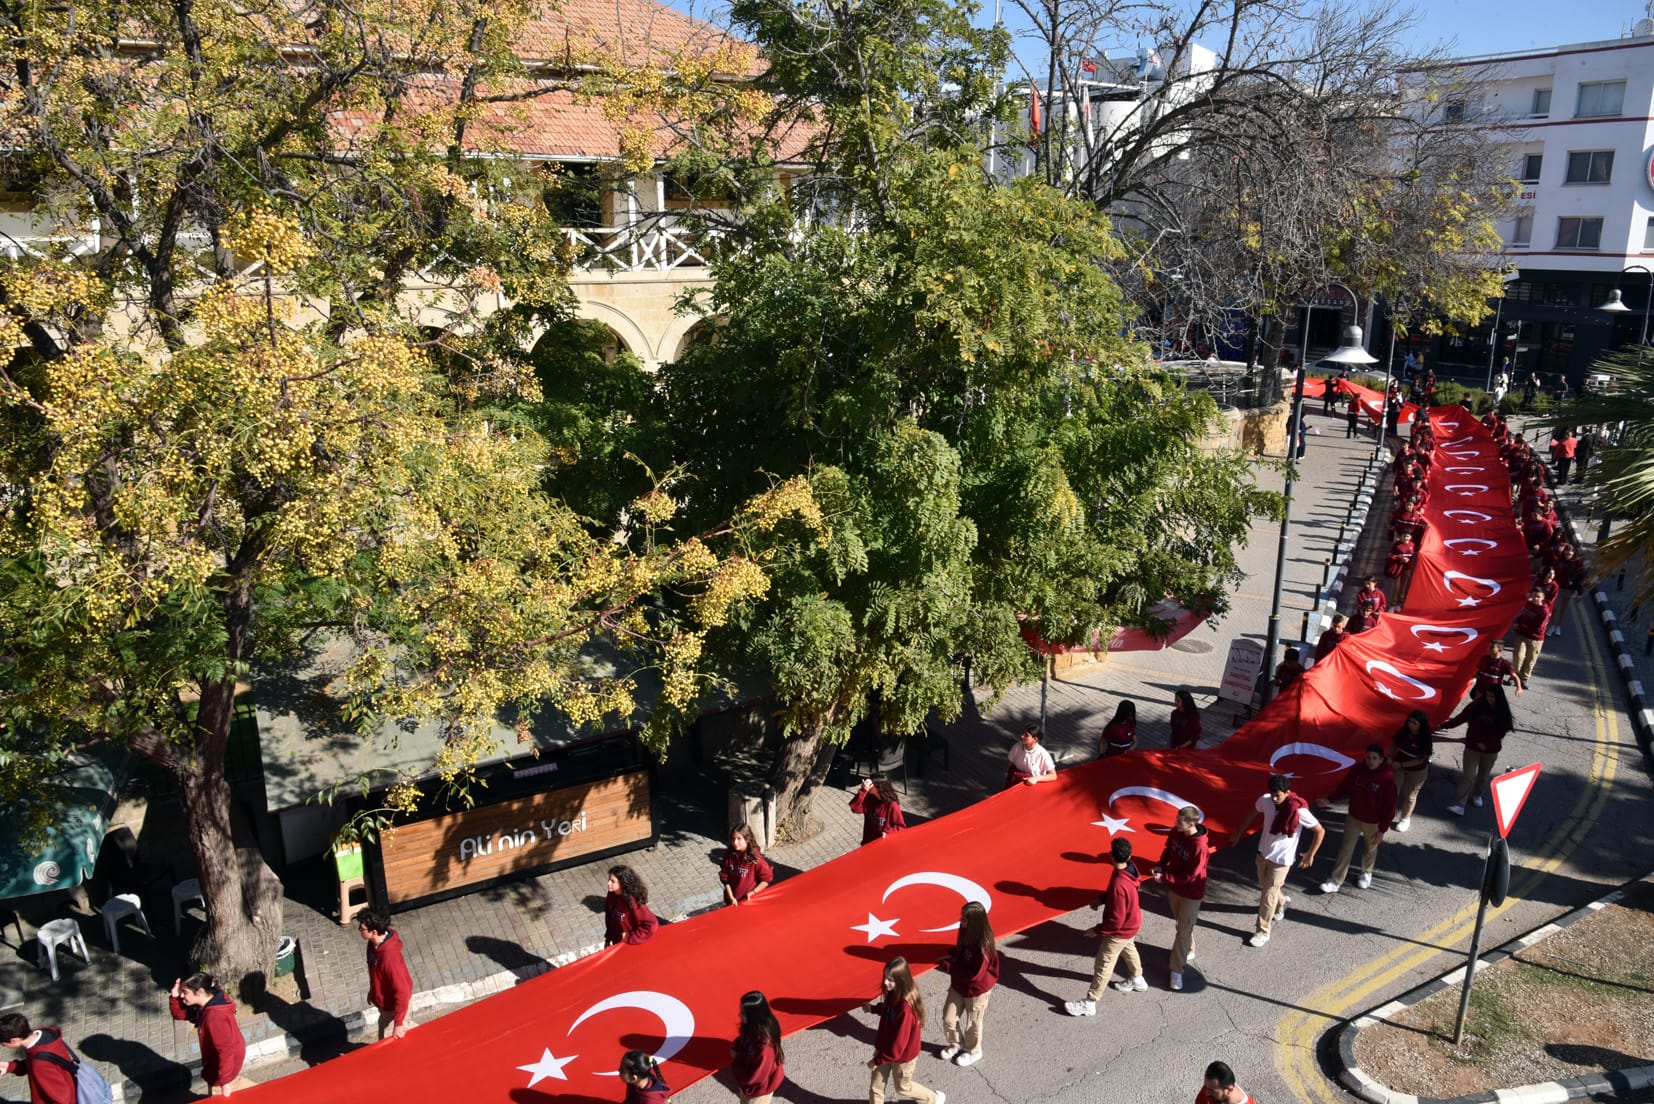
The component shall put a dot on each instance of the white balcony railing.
(640, 249)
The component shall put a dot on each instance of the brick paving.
(465, 948)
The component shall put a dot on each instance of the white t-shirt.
(1037, 762)
(1280, 849)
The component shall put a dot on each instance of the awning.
(81, 798)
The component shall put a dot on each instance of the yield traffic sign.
(1509, 792)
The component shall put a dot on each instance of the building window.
(1590, 167)
(1600, 98)
(1522, 230)
(1579, 233)
(1453, 111)
(1541, 102)
(1648, 236)
(1531, 165)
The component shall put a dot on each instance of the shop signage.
(1648, 169)
(453, 851)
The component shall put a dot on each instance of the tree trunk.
(243, 895)
(799, 771)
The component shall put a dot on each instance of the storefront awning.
(78, 802)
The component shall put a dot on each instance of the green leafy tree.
(222, 432)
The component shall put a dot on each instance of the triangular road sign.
(1509, 792)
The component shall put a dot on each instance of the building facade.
(1580, 123)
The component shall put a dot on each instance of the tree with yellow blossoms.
(221, 434)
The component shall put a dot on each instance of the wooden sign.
(1240, 671)
(436, 857)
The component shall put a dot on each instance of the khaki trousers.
(242, 1082)
(1365, 831)
(1527, 656)
(1412, 781)
(767, 1098)
(1185, 911)
(1113, 948)
(1473, 776)
(902, 1074)
(1271, 879)
(962, 1020)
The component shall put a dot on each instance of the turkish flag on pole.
(1033, 110)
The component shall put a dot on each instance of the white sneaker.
(948, 1053)
(1365, 881)
(1257, 939)
(1477, 801)
(1080, 1008)
(1329, 886)
(941, 1097)
(1280, 909)
(967, 1059)
(1132, 985)
(1190, 957)
(1456, 810)
(1177, 983)
(1403, 824)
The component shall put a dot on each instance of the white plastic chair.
(56, 933)
(184, 892)
(118, 908)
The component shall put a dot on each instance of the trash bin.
(287, 954)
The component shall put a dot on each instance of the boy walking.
(1286, 815)
(390, 988)
(1122, 920)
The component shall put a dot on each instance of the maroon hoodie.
(878, 817)
(1122, 915)
(1531, 621)
(1372, 794)
(390, 988)
(1183, 864)
(49, 1082)
(899, 1032)
(626, 920)
(223, 1048)
(972, 972)
(752, 1062)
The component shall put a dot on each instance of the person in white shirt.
(1030, 763)
(1286, 815)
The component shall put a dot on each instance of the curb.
(1642, 717)
(1572, 1088)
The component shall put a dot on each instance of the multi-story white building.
(1580, 120)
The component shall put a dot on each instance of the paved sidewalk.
(459, 950)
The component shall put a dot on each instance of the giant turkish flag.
(816, 943)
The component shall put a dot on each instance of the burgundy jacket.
(223, 1048)
(657, 1091)
(390, 988)
(878, 817)
(752, 1062)
(1122, 914)
(49, 1083)
(627, 921)
(743, 872)
(1372, 794)
(1186, 730)
(1482, 731)
(1531, 621)
(899, 1032)
(1184, 863)
(971, 972)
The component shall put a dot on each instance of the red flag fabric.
(815, 943)
(1033, 110)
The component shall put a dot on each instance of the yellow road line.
(1299, 1029)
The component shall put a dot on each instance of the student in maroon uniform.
(47, 1061)
(1414, 745)
(1330, 639)
(1529, 631)
(881, 811)
(202, 1001)
(1570, 579)
(1186, 729)
(641, 1076)
(973, 971)
(1487, 721)
(1370, 787)
(1288, 671)
(1122, 920)
(1220, 1087)
(1546, 583)
(756, 1057)
(1369, 605)
(1496, 670)
(1183, 869)
(626, 915)
(1120, 734)
(901, 1030)
(390, 988)
(744, 870)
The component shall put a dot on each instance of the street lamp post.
(1616, 304)
(1350, 352)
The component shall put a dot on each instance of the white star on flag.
(876, 927)
(1386, 691)
(547, 1066)
(1472, 552)
(1470, 600)
(1115, 825)
(1434, 646)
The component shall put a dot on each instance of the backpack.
(90, 1087)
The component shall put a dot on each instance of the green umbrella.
(80, 799)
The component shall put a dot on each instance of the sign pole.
(1476, 939)
(1510, 792)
